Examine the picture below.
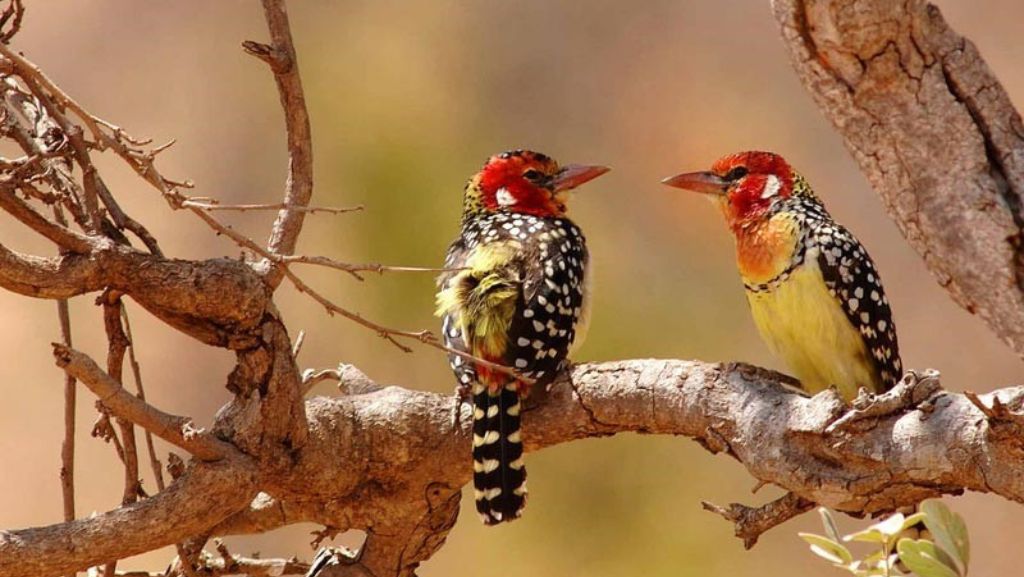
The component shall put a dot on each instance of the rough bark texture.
(935, 133)
(389, 461)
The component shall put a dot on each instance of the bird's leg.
(912, 392)
(463, 395)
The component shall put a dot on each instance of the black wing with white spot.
(852, 279)
(546, 319)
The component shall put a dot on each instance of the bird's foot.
(914, 391)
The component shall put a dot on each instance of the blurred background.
(407, 99)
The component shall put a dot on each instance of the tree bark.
(935, 133)
(389, 462)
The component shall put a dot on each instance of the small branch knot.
(62, 354)
(910, 393)
(751, 522)
(279, 61)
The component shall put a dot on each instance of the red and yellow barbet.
(813, 291)
(517, 296)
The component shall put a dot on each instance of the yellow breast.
(805, 326)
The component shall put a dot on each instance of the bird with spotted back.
(814, 292)
(516, 295)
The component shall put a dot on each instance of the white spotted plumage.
(849, 276)
(539, 264)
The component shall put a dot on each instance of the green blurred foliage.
(944, 550)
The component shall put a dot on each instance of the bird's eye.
(736, 173)
(533, 175)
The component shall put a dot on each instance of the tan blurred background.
(407, 99)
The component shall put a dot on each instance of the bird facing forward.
(516, 296)
(815, 295)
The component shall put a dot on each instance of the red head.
(747, 183)
(526, 182)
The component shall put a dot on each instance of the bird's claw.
(914, 391)
(463, 395)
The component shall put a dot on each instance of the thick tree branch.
(179, 431)
(389, 462)
(207, 494)
(935, 133)
(374, 459)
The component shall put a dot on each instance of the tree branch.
(179, 431)
(387, 461)
(201, 498)
(386, 458)
(935, 133)
(29, 216)
(280, 54)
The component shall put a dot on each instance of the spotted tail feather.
(499, 477)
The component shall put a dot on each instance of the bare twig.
(67, 450)
(54, 101)
(117, 344)
(357, 268)
(48, 95)
(45, 140)
(154, 462)
(752, 522)
(179, 431)
(211, 205)
(391, 335)
(24, 212)
(281, 57)
(13, 13)
(388, 334)
(300, 339)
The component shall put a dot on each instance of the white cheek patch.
(504, 197)
(771, 186)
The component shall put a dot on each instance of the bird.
(515, 293)
(815, 294)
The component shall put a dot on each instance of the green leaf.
(830, 524)
(828, 549)
(949, 531)
(881, 532)
(873, 564)
(912, 520)
(923, 558)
